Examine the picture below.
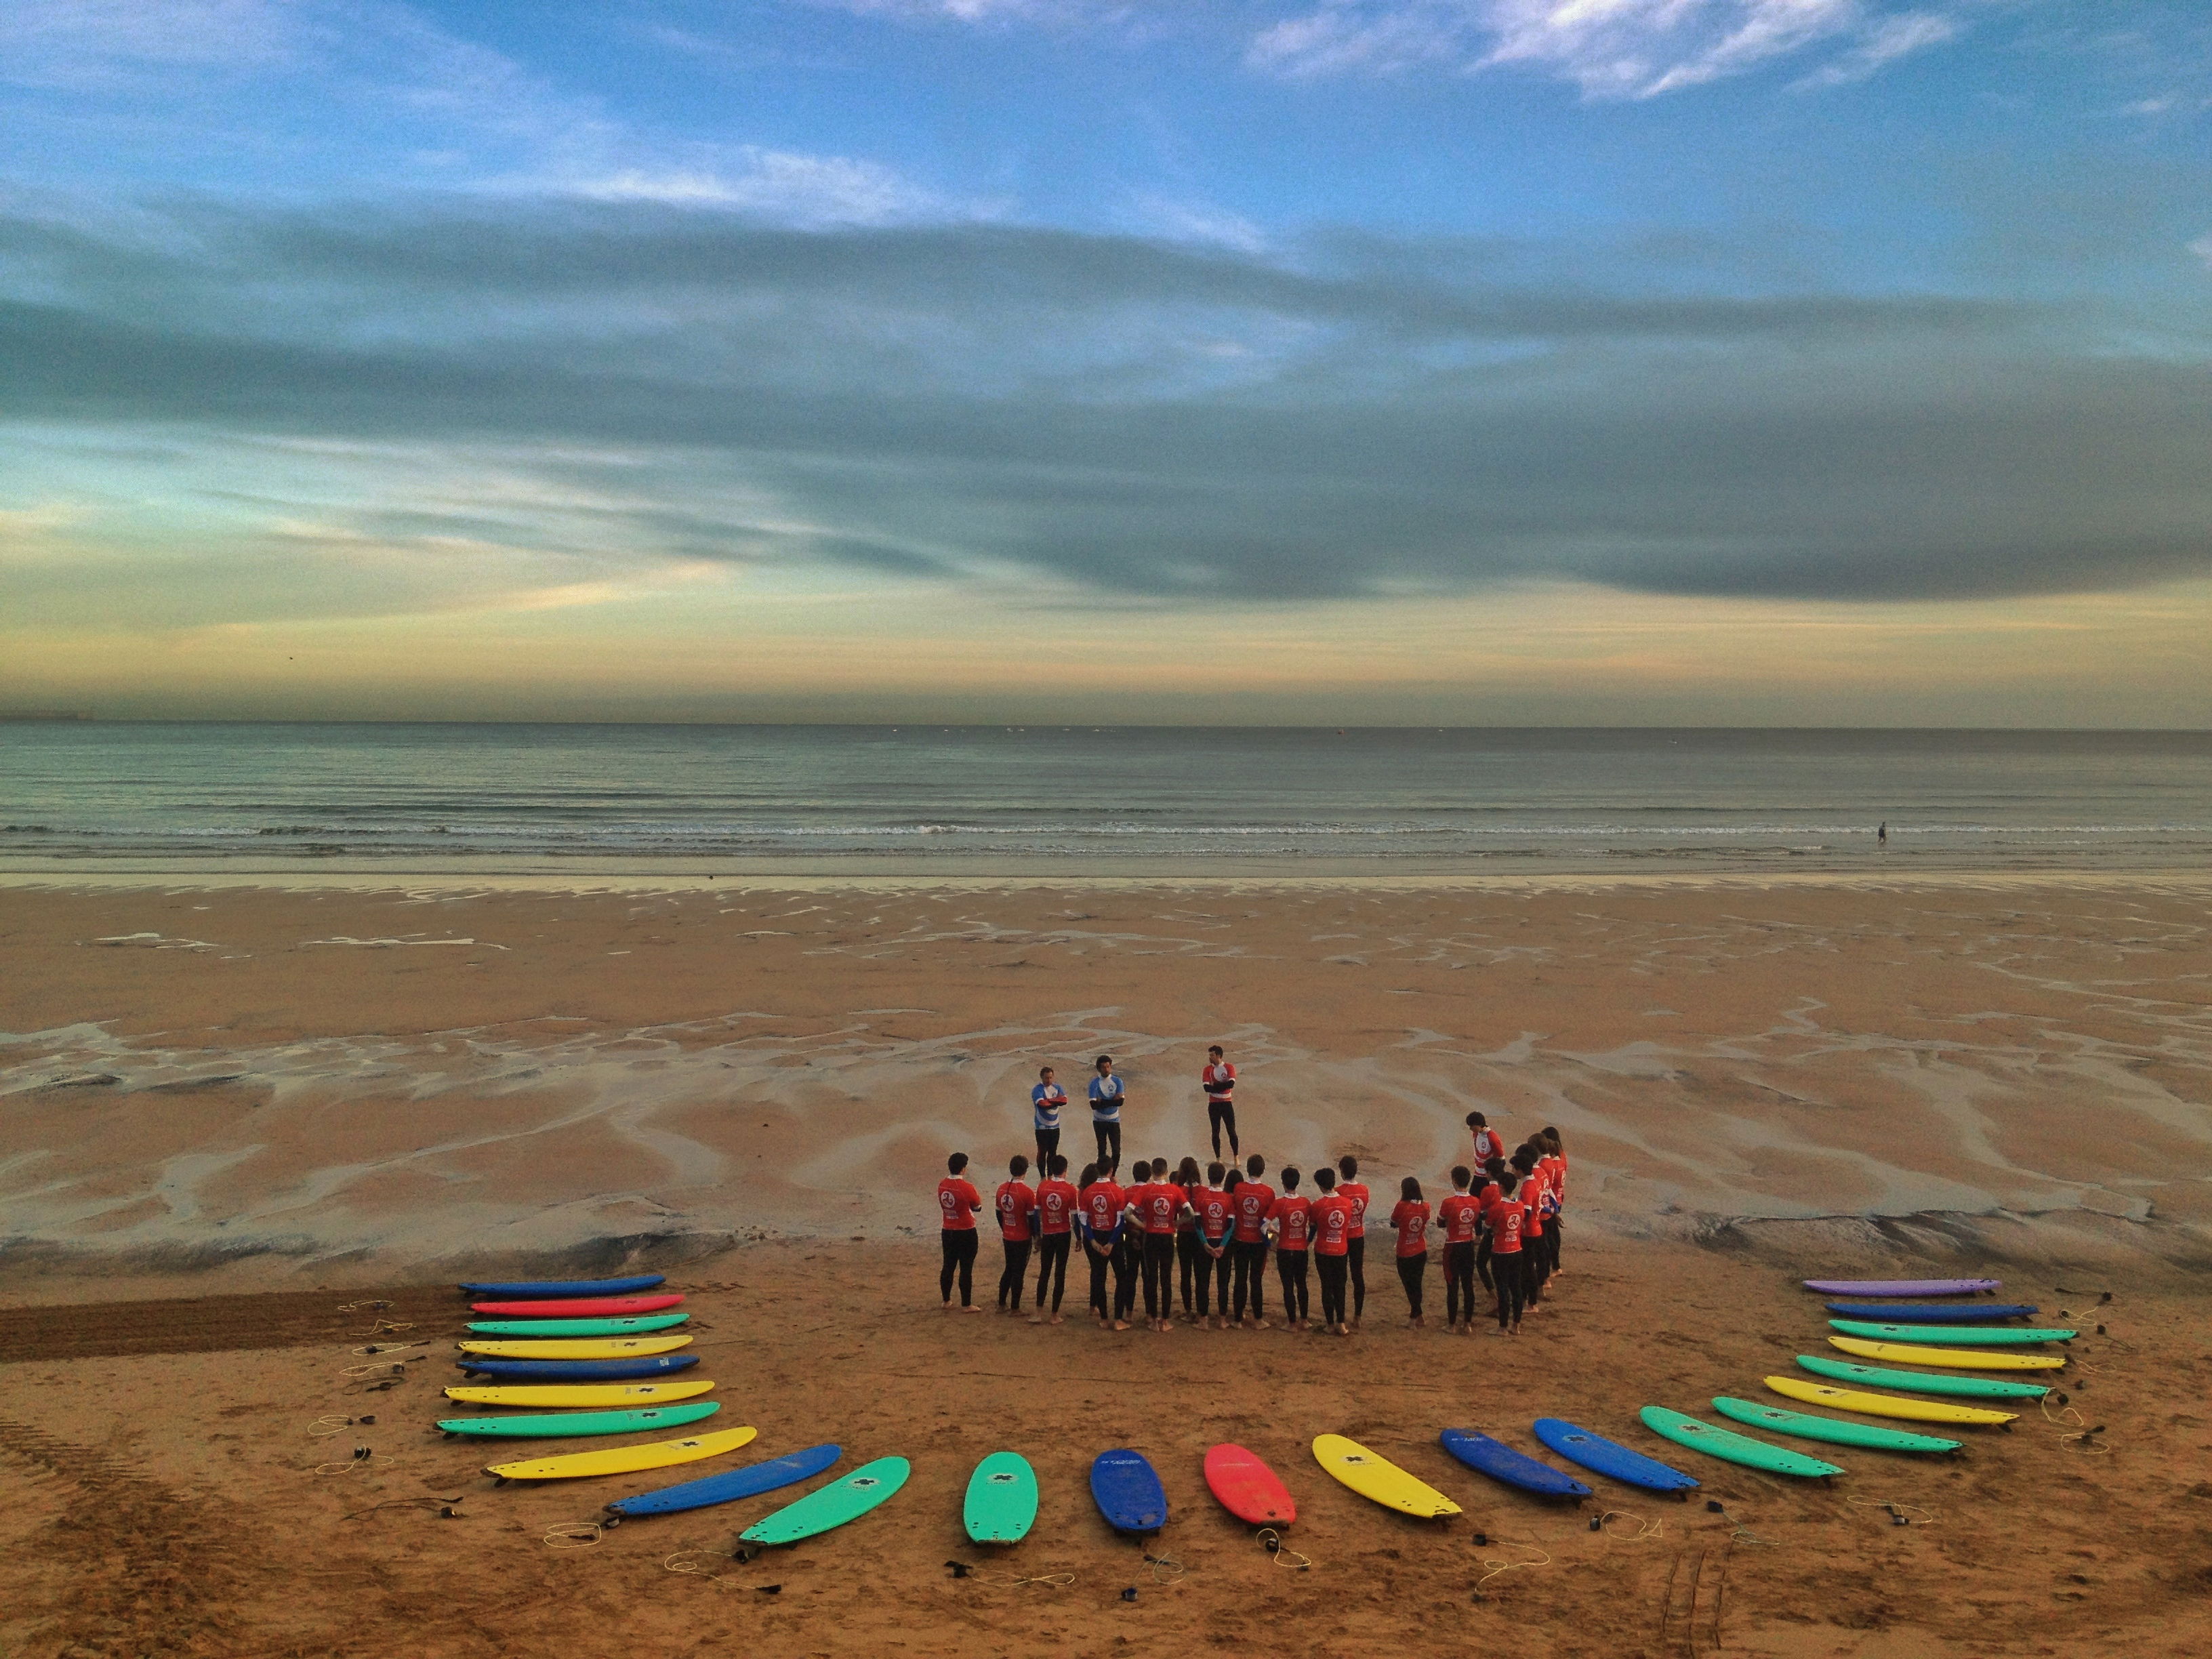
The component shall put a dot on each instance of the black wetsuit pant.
(1482, 1262)
(1099, 1265)
(1413, 1272)
(1159, 1275)
(1459, 1283)
(960, 1245)
(1355, 1259)
(1534, 1268)
(1052, 1264)
(1250, 1259)
(1047, 1143)
(1128, 1268)
(1108, 1137)
(1552, 1243)
(1186, 1255)
(1512, 1272)
(1014, 1277)
(1331, 1270)
(1291, 1268)
(1222, 1114)
(1212, 1275)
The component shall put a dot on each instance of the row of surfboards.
(1901, 1334)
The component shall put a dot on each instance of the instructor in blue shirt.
(1106, 1116)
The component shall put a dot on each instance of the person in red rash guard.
(1350, 1185)
(1101, 1204)
(1057, 1198)
(1503, 1218)
(1409, 1216)
(958, 1203)
(1016, 1204)
(1291, 1217)
(1248, 1251)
(1331, 1218)
(1459, 1216)
(1159, 1203)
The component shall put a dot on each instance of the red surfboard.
(600, 1307)
(1248, 1488)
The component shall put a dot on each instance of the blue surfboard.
(1501, 1462)
(1606, 1457)
(728, 1487)
(567, 1287)
(1128, 1493)
(1919, 1313)
(577, 1370)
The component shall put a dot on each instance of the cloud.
(779, 185)
(2202, 247)
(1607, 48)
(90, 44)
(1150, 419)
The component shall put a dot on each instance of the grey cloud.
(1152, 419)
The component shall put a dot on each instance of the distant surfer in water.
(1106, 1115)
(1219, 1081)
(958, 1204)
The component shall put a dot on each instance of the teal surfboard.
(1730, 1447)
(640, 1325)
(1972, 1388)
(833, 1505)
(1803, 1425)
(549, 1425)
(1950, 1336)
(1002, 1500)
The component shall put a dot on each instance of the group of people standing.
(1209, 1232)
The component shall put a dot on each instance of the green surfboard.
(1803, 1425)
(639, 1325)
(1730, 1447)
(1950, 1336)
(1002, 1500)
(832, 1505)
(1973, 1388)
(550, 1426)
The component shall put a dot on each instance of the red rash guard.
(1505, 1218)
(1055, 1201)
(1255, 1203)
(1459, 1216)
(1157, 1203)
(1293, 1214)
(1356, 1192)
(1102, 1204)
(1332, 1224)
(958, 1200)
(1016, 1203)
(1411, 1218)
(1216, 1213)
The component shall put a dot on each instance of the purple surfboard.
(1902, 1286)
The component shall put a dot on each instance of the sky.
(1423, 362)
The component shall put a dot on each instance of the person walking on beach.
(1292, 1216)
(1488, 1143)
(1350, 1187)
(1255, 1199)
(1016, 1203)
(1045, 1102)
(958, 1204)
(1057, 1199)
(1106, 1115)
(1331, 1220)
(1101, 1203)
(1410, 1217)
(1460, 1218)
(1218, 1079)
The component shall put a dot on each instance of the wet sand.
(247, 1111)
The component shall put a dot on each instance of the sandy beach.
(233, 1115)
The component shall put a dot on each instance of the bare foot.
(1057, 1320)
(1036, 1319)
(971, 1309)
(1120, 1324)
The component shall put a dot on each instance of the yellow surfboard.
(1949, 1359)
(624, 1460)
(1377, 1478)
(580, 1347)
(1885, 1404)
(593, 1397)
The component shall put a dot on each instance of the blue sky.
(1615, 360)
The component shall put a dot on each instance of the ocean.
(1061, 799)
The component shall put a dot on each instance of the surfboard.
(1957, 1359)
(1803, 1425)
(1127, 1491)
(1002, 1500)
(1379, 1480)
(1902, 1286)
(1730, 1447)
(593, 1347)
(1979, 1388)
(732, 1485)
(544, 1327)
(1501, 1462)
(1886, 1405)
(583, 1394)
(1905, 1313)
(624, 1460)
(1972, 1336)
(568, 1287)
(602, 1307)
(1609, 1458)
(577, 1370)
(833, 1505)
(551, 1425)
(1248, 1488)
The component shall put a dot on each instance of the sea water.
(1076, 799)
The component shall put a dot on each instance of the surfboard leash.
(1283, 1556)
